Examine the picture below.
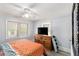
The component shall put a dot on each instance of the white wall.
(62, 29)
(2, 28)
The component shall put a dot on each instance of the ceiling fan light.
(26, 15)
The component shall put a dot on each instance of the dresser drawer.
(48, 47)
(45, 40)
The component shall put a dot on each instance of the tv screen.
(43, 30)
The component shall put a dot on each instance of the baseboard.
(64, 49)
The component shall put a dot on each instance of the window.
(11, 29)
(22, 30)
(15, 29)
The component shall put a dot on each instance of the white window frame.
(17, 29)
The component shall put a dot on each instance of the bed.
(23, 47)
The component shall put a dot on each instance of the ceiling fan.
(27, 8)
(28, 11)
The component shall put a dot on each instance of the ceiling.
(41, 10)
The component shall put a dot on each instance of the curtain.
(75, 29)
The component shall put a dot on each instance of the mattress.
(23, 47)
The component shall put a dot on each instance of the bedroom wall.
(2, 28)
(4, 19)
(62, 29)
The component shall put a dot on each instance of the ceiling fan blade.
(32, 5)
(18, 6)
(26, 10)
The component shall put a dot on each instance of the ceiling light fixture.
(26, 15)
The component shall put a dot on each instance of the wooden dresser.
(45, 40)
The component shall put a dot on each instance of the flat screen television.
(43, 30)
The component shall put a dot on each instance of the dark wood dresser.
(45, 40)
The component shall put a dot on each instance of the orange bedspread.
(27, 48)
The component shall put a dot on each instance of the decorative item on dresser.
(45, 40)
